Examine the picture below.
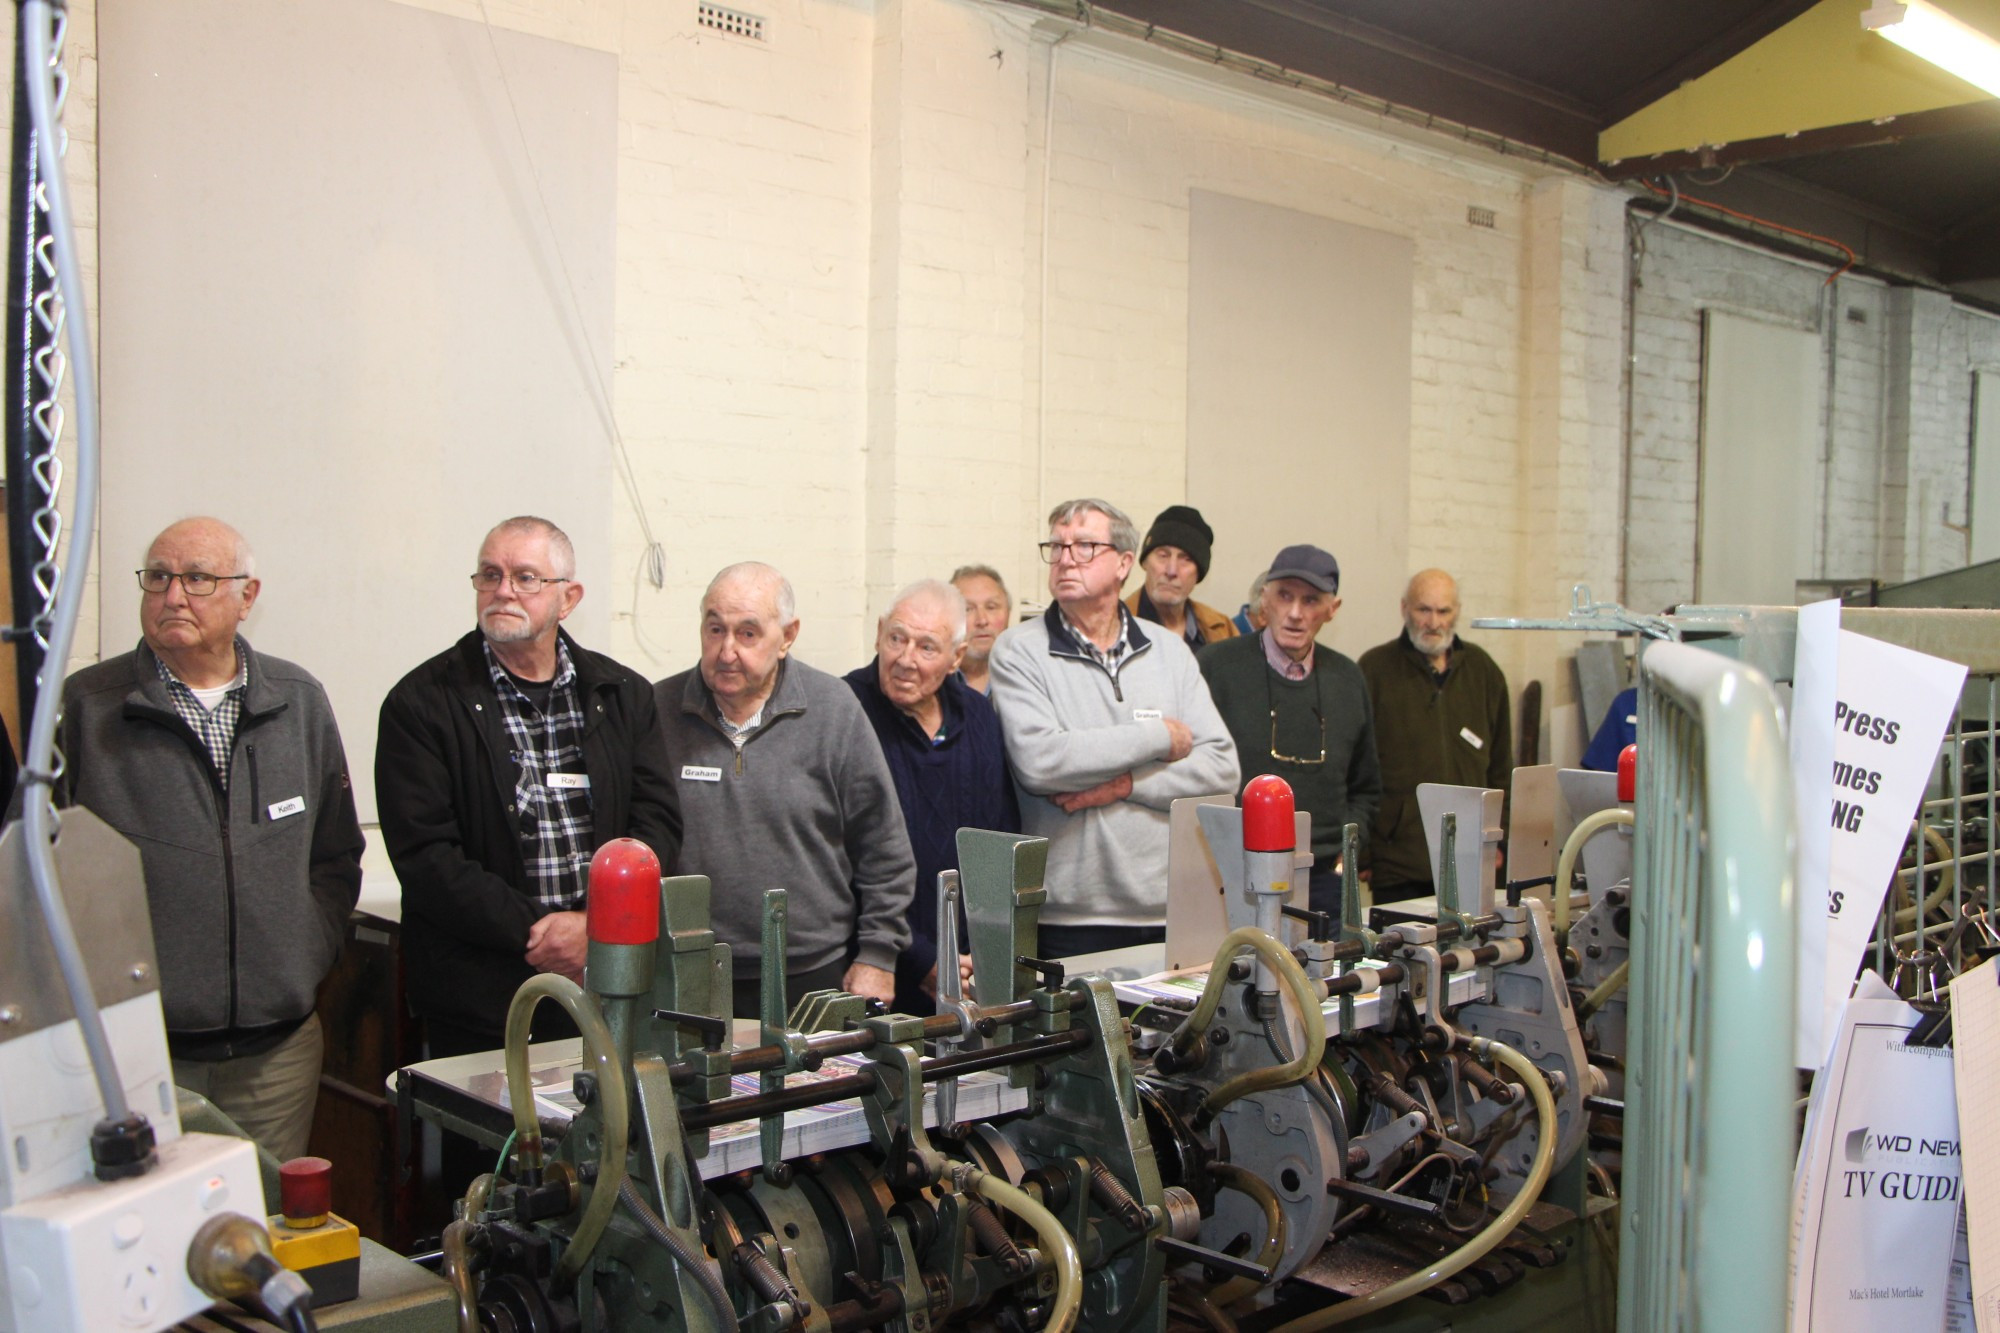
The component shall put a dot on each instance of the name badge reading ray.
(569, 781)
(295, 806)
(700, 773)
(1471, 739)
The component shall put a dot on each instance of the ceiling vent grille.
(732, 21)
(1479, 217)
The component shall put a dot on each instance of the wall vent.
(1856, 315)
(1479, 217)
(732, 21)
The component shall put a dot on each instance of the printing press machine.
(1326, 1121)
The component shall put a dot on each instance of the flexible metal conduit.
(1496, 1231)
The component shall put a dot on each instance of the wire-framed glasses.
(489, 580)
(195, 582)
(1319, 716)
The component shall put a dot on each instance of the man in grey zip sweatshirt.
(1108, 722)
(225, 767)
(783, 786)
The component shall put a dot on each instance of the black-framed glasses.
(489, 580)
(194, 582)
(1319, 715)
(1079, 553)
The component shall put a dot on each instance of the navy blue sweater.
(961, 781)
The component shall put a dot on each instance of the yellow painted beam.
(1820, 69)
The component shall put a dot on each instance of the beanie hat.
(1182, 526)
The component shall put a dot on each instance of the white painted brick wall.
(833, 352)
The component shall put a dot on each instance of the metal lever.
(950, 990)
(1048, 970)
(1189, 1252)
(1401, 1203)
(713, 1030)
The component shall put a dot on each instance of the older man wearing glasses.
(1107, 724)
(1299, 709)
(502, 764)
(225, 767)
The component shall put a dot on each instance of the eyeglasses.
(194, 582)
(489, 580)
(1318, 715)
(1079, 553)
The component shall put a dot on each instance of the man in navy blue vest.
(942, 740)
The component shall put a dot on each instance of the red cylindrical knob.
(1628, 774)
(624, 902)
(305, 1191)
(1268, 824)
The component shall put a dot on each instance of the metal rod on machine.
(753, 1105)
(824, 1045)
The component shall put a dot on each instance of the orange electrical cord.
(1844, 248)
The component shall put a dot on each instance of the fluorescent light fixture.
(1924, 30)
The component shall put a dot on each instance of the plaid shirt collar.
(1109, 658)
(217, 726)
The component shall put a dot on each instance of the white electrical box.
(96, 1257)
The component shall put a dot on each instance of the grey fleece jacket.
(1071, 725)
(249, 888)
(806, 805)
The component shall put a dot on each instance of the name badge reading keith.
(1471, 739)
(1147, 715)
(295, 806)
(569, 781)
(700, 773)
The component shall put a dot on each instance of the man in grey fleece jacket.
(1108, 722)
(783, 786)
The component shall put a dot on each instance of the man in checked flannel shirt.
(501, 765)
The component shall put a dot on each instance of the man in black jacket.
(501, 765)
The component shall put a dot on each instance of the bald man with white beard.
(1442, 714)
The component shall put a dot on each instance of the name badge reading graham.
(569, 781)
(1147, 715)
(1471, 739)
(295, 806)
(700, 773)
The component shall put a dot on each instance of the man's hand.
(870, 982)
(558, 943)
(929, 984)
(1181, 740)
(1104, 793)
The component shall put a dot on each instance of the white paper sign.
(1815, 672)
(1876, 1201)
(1890, 712)
(1975, 1028)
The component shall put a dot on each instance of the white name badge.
(295, 806)
(1147, 715)
(700, 773)
(1471, 739)
(569, 781)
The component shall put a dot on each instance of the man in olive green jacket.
(1442, 714)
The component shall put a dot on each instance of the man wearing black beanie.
(1174, 557)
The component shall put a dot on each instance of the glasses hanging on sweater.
(1319, 716)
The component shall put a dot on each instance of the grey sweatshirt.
(1070, 726)
(806, 805)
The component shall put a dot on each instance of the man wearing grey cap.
(1297, 708)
